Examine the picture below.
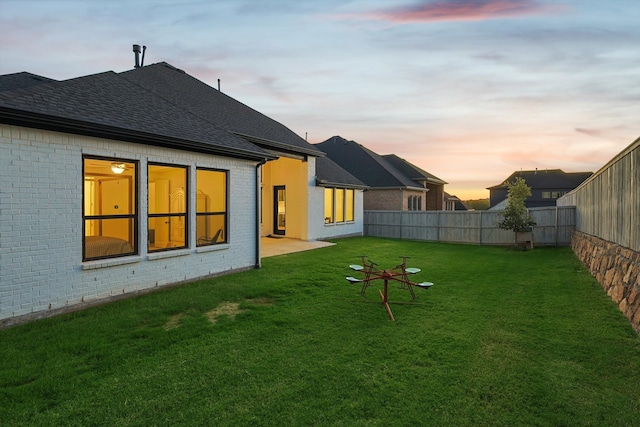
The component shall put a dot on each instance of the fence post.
(556, 227)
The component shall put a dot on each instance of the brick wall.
(41, 268)
(616, 268)
(383, 199)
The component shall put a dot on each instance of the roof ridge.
(226, 112)
(388, 167)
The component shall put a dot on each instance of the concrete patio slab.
(272, 246)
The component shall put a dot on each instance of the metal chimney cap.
(136, 48)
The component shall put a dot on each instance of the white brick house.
(108, 188)
(41, 224)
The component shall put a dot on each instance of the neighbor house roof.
(110, 106)
(369, 167)
(179, 88)
(330, 174)
(411, 170)
(546, 179)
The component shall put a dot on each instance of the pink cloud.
(461, 10)
(591, 132)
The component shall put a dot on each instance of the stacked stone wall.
(616, 268)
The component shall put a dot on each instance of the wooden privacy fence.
(554, 226)
(608, 203)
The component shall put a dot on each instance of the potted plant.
(515, 216)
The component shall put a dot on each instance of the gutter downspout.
(258, 262)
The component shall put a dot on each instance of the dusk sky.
(469, 91)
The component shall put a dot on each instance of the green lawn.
(504, 338)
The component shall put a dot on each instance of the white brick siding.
(41, 264)
(318, 230)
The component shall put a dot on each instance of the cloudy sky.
(467, 90)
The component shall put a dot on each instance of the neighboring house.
(394, 183)
(115, 183)
(453, 203)
(546, 187)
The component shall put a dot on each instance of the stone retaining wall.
(616, 268)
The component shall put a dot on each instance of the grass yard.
(504, 338)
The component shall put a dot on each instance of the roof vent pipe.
(218, 85)
(144, 49)
(136, 50)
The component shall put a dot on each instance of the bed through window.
(109, 208)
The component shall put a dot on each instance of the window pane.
(339, 204)
(212, 191)
(210, 229)
(166, 232)
(167, 207)
(167, 189)
(350, 205)
(109, 237)
(211, 207)
(109, 212)
(328, 205)
(107, 193)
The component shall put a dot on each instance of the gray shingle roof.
(21, 80)
(411, 170)
(216, 107)
(369, 167)
(330, 174)
(547, 179)
(109, 105)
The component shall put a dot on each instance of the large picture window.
(211, 207)
(339, 205)
(167, 207)
(110, 198)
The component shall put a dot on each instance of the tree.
(515, 216)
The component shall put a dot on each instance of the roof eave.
(280, 145)
(399, 188)
(39, 121)
(326, 183)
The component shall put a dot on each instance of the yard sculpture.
(398, 274)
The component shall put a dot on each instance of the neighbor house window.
(167, 207)
(110, 198)
(546, 194)
(414, 203)
(211, 207)
(339, 205)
